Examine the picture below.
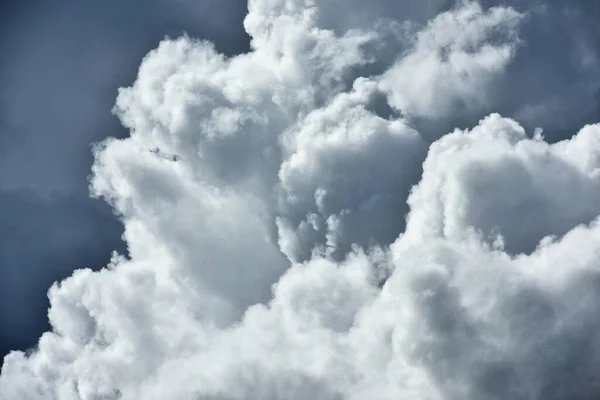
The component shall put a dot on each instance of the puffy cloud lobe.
(459, 54)
(487, 326)
(490, 290)
(495, 180)
(336, 179)
(172, 218)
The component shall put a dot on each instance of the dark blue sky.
(61, 65)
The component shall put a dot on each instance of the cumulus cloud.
(335, 180)
(495, 180)
(457, 55)
(293, 234)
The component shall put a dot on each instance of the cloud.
(293, 234)
(495, 180)
(558, 70)
(458, 54)
(336, 177)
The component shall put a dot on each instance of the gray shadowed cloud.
(61, 66)
(555, 81)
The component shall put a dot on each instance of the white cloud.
(453, 62)
(497, 181)
(234, 162)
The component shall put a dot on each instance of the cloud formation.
(302, 223)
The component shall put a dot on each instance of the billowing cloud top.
(301, 225)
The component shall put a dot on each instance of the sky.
(300, 199)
